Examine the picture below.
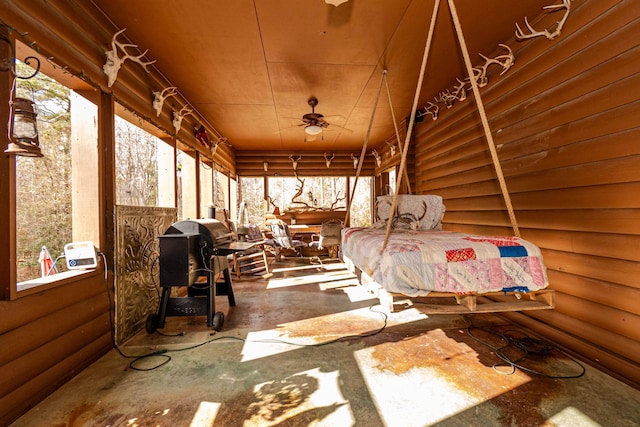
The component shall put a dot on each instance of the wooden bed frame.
(451, 303)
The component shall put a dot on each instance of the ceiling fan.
(313, 122)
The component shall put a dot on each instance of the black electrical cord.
(159, 353)
(526, 346)
(162, 353)
(167, 358)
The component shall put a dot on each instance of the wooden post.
(364, 149)
(7, 192)
(405, 150)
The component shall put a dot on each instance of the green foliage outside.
(43, 185)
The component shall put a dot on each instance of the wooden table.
(304, 229)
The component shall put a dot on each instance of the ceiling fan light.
(313, 130)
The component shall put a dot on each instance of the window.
(392, 182)
(360, 214)
(221, 190)
(206, 189)
(187, 201)
(49, 208)
(309, 192)
(314, 193)
(251, 192)
(136, 171)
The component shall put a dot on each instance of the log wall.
(75, 38)
(251, 164)
(48, 337)
(566, 123)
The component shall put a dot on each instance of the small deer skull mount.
(159, 98)
(520, 35)
(294, 159)
(214, 147)
(356, 160)
(392, 148)
(178, 116)
(377, 156)
(328, 159)
(114, 62)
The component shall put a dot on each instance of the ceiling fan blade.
(335, 116)
(286, 129)
(336, 127)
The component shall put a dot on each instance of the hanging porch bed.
(407, 255)
(420, 262)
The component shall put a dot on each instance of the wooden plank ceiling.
(249, 66)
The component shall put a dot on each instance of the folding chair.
(281, 240)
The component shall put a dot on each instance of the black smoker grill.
(192, 254)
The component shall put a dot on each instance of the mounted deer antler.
(328, 159)
(356, 160)
(432, 108)
(159, 98)
(294, 159)
(377, 156)
(300, 189)
(178, 116)
(392, 148)
(221, 140)
(505, 61)
(447, 98)
(520, 35)
(272, 202)
(460, 91)
(408, 219)
(114, 62)
(338, 200)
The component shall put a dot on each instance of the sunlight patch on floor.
(571, 416)
(422, 395)
(262, 344)
(333, 266)
(319, 276)
(308, 398)
(352, 289)
(205, 414)
(312, 331)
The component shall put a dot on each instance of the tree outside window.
(43, 184)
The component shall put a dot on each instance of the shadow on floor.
(307, 346)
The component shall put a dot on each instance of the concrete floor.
(271, 366)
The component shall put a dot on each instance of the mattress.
(415, 263)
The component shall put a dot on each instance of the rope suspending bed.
(481, 111)
(510, 298)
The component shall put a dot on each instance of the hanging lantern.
(23, 129)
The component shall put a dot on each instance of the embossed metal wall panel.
(136, 266)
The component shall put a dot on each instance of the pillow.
(255, 233)
(425, 209)
(330, 233)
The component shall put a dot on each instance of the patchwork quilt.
(415, 263)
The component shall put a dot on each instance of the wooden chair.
(254, 260)
(330, 237)
(281, 240)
